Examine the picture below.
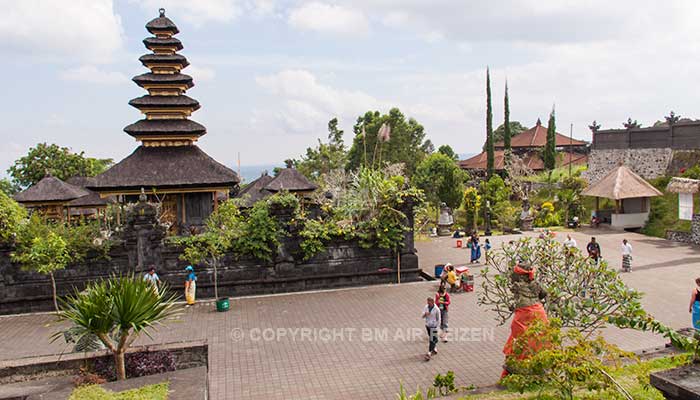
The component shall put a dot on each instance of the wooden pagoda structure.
(168, 165)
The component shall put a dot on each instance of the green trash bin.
(222, 304)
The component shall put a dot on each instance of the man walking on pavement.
(626, 256)
(431, 313)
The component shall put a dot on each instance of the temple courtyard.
(361, 343)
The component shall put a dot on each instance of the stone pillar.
(695, 229)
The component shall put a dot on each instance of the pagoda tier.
(162, 45)
(166, 107)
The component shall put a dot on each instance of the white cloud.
(200, 74)
(92, 74)
(327, 18)
(196, 12)
(84, 30)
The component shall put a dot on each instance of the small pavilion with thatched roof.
(631, 194)
(59, 200)
(291, 180)
(687, 189)
(255, 190)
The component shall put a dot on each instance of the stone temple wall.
(344, 263)
(692, 237)
(647, 163)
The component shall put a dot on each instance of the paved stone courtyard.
(361, 343)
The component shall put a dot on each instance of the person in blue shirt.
(190, 285)
(152, 278)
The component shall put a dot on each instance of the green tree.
(326, 156)
(222, 227)
(506, 128)
(11, 216)
(117, 311)
(447, 150)
(582, 294)
(472, 203)
(494, 190)
(47, 254)
(61, 162)
(7, 187)
(489, 128)
(550, 148)
(441, 180)
(499, 134)
(406, 144)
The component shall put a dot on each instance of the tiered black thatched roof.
(175, 59)
(160, 127)
(166, 167)
(255, 190)
(165, 105)
(291, 180)
(161, 25)
(150, 78)
(50, 189)
(156, 42)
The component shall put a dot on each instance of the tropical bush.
(565, 362)
(11, 216)
(116, 311)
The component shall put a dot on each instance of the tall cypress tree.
(489, 127)
(506, 128)
(550, 148)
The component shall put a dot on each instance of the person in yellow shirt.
(451, 276)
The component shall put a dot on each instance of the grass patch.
(96, 392)
(626, 376)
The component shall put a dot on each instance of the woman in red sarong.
(528, 307)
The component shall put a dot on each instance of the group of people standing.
(190, 282)
(594, 253)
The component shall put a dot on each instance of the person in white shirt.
(431, 313)
(570, 242)
(152, 278)
(626, 256)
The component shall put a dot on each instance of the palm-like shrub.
(117, 311)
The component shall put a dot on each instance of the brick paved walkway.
(248, 362)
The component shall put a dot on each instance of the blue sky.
(270, 74)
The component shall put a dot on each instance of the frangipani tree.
(46, 254)
(581, 293)
(117, 311)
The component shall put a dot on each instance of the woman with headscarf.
(190, 285)
(528, 296)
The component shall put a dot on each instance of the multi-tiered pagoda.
(167, 165)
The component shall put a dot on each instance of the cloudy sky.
(270, 74)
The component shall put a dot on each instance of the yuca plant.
(116, 311)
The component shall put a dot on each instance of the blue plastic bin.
(438, 269)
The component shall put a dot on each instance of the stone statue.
(525, 216)
(445, 221)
